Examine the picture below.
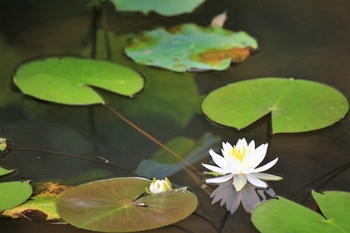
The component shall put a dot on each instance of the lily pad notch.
(294, 105)
(68, 80)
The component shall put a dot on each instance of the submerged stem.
(150, 137)
(70, 155)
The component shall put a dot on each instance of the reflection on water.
(298, 39)
(249, 195)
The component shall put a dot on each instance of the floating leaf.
(4, 171)
(164, 164)
(67, 80)
(286, 216)
(190, 47)
(110, 206)
(168, 7)
(295, 105)
(41, 206)
(14, 193)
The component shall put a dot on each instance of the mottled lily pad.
(190, 47)
(168, 7)
(67, 80)
(295, 105)
(113, 206)
(285, 216)
(41, 206)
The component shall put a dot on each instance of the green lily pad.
(4, 171)
(14, 193)
(110, 206)
(286, 216)
(168, 7)
(165, 164)
(190, 47)
(295, 105)
(67, 80)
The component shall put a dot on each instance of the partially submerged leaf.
(168, 7)
(4, 171)
(285, 216)
(111, 206)
(67, 80)
(14, 193)
(295, 105)
(41, 206)
(190, 47)
(164, 164)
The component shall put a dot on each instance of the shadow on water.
(298, 39)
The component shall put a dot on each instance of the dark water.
(300, 39)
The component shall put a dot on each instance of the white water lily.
(158, 186)
(239, 163)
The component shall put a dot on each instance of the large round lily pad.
(190, 47)
(110, 206)
(286, 216)
(295, 105)
(168, 7)
(67, 80)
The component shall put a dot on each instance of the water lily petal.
(255, 181)
(215, 169)
(251, 146)
(239, 181)
(266, 166)
(248, 170)
(234, 168)
(219, 179)
(218, 159)
(265, 176)
(241, 143)
(259, 155)
(226, 149)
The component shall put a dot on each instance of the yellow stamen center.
(238, 153)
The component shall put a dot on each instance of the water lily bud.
(158, 186)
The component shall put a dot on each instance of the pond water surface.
(300, 39)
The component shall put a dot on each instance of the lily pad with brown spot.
(189, 47)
